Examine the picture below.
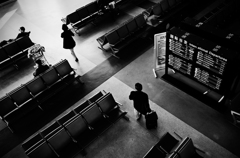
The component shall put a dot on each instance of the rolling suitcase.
(151, 120)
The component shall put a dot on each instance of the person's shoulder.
(144, 93)
(133, 92)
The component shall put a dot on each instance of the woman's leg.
(74, 55)
(137, 114)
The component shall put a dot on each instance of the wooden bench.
(12, 52)
(75, 130)
(25, 103)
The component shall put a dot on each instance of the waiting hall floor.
(178, 112)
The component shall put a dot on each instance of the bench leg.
(113, 54)
(102, 49)
(10, 128)
(126, 118)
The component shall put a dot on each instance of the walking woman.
(68, 41)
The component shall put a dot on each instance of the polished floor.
(211, 130)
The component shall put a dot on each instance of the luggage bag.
(151, 120)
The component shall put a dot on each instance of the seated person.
(40, 68)
(22, 32)
(101, 4)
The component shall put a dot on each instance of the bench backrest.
(73, 17)
(81, 107)
(43, 150)
(167, 143)
(132, 26)
(50, 77)
(50, 130)
(63, 68)
(140, 20)
(113, 37)
(6, 106)
(188, 150)
(92, 115)
(157, 10)
(83, 12)
(95, 97)
(32, 143)
(155, 152)
(77, 127)
(107, 103)
(164, 5)
(172, 3)
(92, 7)
(12, 48)
(25, 42)
(123, 31)
(20, 95)
(61, 141)
(3, 55)
(36, 85)
(67, 117)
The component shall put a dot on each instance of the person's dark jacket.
(40, 69)
(140, 101)
(22, 34)
(68, 41)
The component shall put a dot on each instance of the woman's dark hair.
(138, 86)
(64, 27)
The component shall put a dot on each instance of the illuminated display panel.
(197, 58)
(211, 61)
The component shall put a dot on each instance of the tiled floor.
(178, 112)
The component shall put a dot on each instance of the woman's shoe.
(139, 117)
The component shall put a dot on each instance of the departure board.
(202, 60)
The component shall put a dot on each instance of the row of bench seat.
(87, 14)
(83, 16)
(12, 52)
(163, 12)
(73, 132)
(170, 147)
(24, 103)
(123, 35)
(166, 11)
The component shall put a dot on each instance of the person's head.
(39, 62)
(22, 29)
(64, 27)
(138, 86)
